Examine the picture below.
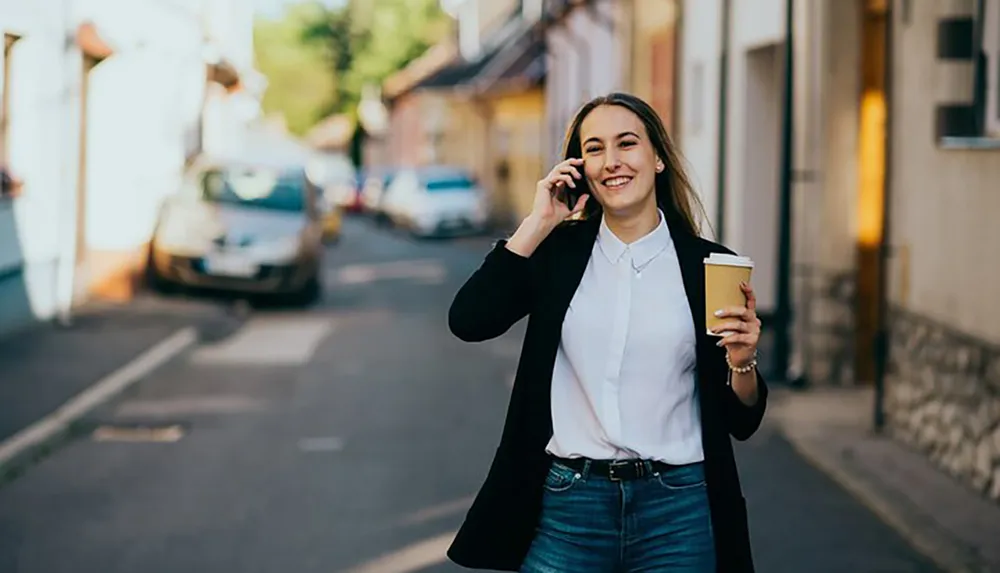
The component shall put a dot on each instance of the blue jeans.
(590, 524)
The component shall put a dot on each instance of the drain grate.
(138, 433)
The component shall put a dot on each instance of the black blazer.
(500, 525)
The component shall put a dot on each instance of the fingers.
(564, 179)
(738, 339)
(733, 326)
(740, 312)
(751, 297)
(568, 167)
(580, 203)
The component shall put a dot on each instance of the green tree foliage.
(318, 60)
(300, 82)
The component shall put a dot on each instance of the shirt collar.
(642, 250)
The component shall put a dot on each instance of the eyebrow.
(619, 136)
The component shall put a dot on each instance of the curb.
(39, 438)
(915, 527)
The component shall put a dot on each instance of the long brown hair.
(674, 194)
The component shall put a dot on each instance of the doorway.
(761, 169)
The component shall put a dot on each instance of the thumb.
(580, 203)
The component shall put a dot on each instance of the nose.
(612, 162)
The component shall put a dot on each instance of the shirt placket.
(616, 352)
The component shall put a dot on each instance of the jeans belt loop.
(586, 469)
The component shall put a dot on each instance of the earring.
(659, 166)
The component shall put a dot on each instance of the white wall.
(144, 99)
(753, 119)
(226, 116)
(701, 43)
(37, 228)
(755, 24)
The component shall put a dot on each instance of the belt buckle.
(616, 464)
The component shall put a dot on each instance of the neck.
(629, 228)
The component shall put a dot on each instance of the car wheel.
(311, 292)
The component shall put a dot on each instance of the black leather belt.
(616, 470)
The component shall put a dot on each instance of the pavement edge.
(43, 436)
(932, 541)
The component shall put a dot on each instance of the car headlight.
(177, 235)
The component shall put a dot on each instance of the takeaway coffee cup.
(723, 274)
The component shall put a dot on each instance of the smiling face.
(619, 160)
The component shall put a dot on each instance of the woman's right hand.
(548, 210)
(548, 206)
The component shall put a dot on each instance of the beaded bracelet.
(742, 369)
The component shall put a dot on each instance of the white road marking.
(321, 444)
(437, 511)
(270, 341)
(105, 388)
(191, 405)
(427, 271)
(414, 557)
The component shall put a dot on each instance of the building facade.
(477, 102)
(97, 140)
(39, 149)
(893, 160)
(585, 50)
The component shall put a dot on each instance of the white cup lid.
(731, 260)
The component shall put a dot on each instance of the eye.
(592, 149)
(628, 143)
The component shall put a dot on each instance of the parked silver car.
(245, 227)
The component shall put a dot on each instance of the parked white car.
(436, 201)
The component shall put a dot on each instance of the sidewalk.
(45, 366)
(951, 524)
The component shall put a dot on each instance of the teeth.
(617, 181)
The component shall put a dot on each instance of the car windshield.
(255, 187)
(449, 183)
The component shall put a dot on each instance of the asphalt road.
(348, 437)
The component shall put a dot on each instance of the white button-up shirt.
(623, 385)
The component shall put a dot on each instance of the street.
(348, 437)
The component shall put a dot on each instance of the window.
(256, 188)
(991, 53)
(972, 40)
(10, 186)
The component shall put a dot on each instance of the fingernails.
(721, 342)
(719, 312)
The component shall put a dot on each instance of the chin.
(622, 205)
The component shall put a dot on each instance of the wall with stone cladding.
(943, 397)
(824, 324)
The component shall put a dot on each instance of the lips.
(616, 182)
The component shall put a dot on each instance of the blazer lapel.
(693, 272)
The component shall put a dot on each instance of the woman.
(616, 452)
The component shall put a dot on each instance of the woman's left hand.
(741, 334)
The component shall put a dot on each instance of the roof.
(521, 63)
(520, 59)
(430, 62)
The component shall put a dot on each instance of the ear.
(659, 165)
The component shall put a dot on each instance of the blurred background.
(230, 231)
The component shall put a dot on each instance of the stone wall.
(824, 324)
(943, 397)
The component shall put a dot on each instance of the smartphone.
(570, 195)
